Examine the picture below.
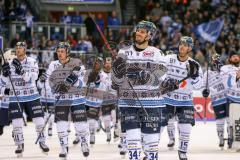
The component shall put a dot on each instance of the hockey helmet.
(216, 62)
(21, 44)
(64, 45)
(187, 40)
(149, 26)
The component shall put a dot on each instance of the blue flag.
(211, 30)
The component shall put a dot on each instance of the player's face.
(97, 65)
(62, 54)
(141, 35)
(107, 66)
(20, 51)
(235, 59)
(184, 49)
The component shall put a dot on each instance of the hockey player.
(47, 101)
(131, 76)
(180, 102)
(217, 83)
(108, 108)
(24, 73)
(4, 117)
(93, 104)
(233, 70)
(171, 121)
(67, 102)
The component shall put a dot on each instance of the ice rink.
(203, 146)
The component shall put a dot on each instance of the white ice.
(203, 146)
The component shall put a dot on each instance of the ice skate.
(84, 147)
(92, 139)
(63, 153)
(76, 141)
(221, 144)
(171, 144)
(182, 155)
(19, 150)
(44, 147)
(108, 132)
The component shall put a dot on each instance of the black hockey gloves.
(18, 66)
(143, 77)
(6, 69)
(6, 91)
(169, 85)
(72, 79)
(193, 70)
(43, 78)
(205, 93)
(119, 67)
(93, 77)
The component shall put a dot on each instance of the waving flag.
(211, 30)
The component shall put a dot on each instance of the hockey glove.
(169, 85)
(72, 79)
(18, 66)
(6, 69)
(143, 77)
(6, 91)
(115, 86)
(61, 88)
(91, 77)
(43, 78)
(119, 67)
(193, 69)
(205, 93)
(137, 73)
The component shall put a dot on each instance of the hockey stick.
(14, 91)
(57, 100)
(206, 87)
(114, 56)
(205, 98)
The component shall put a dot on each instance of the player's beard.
(235, 62)
(107, 69)
(140, 43)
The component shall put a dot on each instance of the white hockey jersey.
(150, 60)
(46, 92)
(95, 93)
(4, 102)
(178, 70)
(217, 83)
(69, 98)
(4, 98)
(111, 95)
(24, 85)
(233, 93)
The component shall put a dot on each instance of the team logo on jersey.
(148, 54)
(183, 84)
